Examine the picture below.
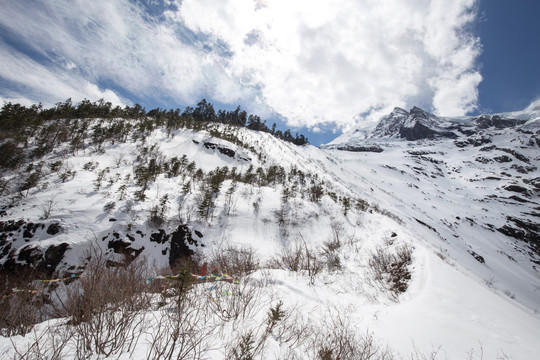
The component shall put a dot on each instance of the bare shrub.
(235, 261)
(106, 305)
(47, 207)
(291, 258)
(181, 330)
(245, 348)
(234, 301)
(330, 250)
(299, 257)
(286, 326)
(337, 339)
(21, 307)
(52, 343)
(389, 270)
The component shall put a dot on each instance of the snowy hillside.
(424, 248)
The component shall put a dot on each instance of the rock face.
(418, 124)
(414, 125)
(366, 148)
(34, 261)
(179, 245)
(223, 150)
(176, 243)
(495, 121)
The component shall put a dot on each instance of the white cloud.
(312, 62)
(327, 61)
(47, 87)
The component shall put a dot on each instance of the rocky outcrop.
(524, 230)
(35, 261)
(366, 148)
(222, 149)
(414, 125)
(495, 121)
(179, 245)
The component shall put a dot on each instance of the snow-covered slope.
(466, 205)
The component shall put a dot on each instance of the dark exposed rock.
(160, 237)
(533, 182)
(487, 121)
(366, 148)
(479, 258)
(54, 255)
(523, 169)
(516, 188)
(502, 159)
(124, 248)
(518, 199)
(430, 159)
(198, 233)
(11, 225)
(420, 131)
(461, 143)
(30, 254)
(466, 132)
(488, 148)
(426, 225)
(179, 245)
(420, 152)
(523, 230)
(53, 229)
(30, 229)
(32, 260)
(515, 154)
(223, 150)
(483, 160)
(474, 141)
(479, 141)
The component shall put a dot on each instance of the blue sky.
(317, 67)
(510, 58)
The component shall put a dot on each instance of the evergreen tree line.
(17, 117)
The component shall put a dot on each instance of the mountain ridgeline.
(18, 122)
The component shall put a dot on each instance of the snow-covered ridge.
(418, 124)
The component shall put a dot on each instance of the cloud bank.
(311, 62)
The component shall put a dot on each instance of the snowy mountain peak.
(414, 125)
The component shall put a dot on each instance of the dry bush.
(329, 251)
(299, 258)
(389, 270)
(291, 258)
(235, 261)
(21, 306)
(181, 330)
(338, 340)
(240, 300)
(106, 306)
(49, 344)
(281, 325)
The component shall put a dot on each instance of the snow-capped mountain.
(461, 194)
(473, 183)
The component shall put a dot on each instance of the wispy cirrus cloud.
(312, 62)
